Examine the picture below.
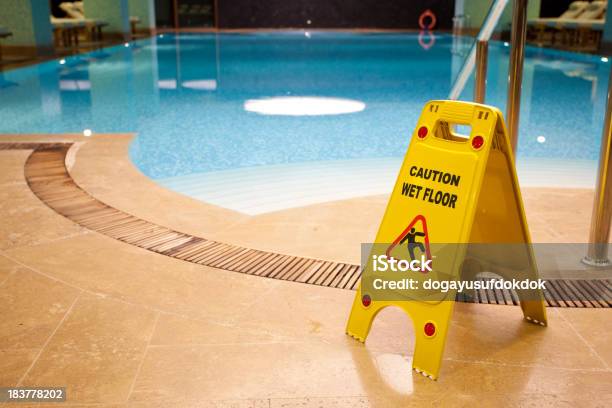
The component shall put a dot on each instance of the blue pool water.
(184, 95)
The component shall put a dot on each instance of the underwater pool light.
(62, 61)
(74, 85)
(166, 84)
(604, 59)
(303, 106)
(201, 84)
(87, 132)
(541, 139)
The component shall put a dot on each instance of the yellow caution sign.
(455, 195)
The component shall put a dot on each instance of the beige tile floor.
(122, 327)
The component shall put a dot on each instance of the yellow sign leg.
(500, 220)
(430, 322)
(361, 317)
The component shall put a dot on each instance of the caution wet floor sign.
(452, 191)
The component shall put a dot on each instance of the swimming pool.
(209, 109)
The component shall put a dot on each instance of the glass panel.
(486, 31)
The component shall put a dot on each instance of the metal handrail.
(486, 31)
(601, 220)
(597, 253)
(515, 71)
(480, 80)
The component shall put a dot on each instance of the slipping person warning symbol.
(412, 244)
(410, 234)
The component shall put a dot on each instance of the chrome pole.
(515, 71)
(597, 253)
(480, 81)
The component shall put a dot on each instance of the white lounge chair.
(544, 28)
(66, 30)
(574, 10)
(594, 12)
(580, 22)
(72, 10)
(4, 32)
(587, 28)
(78, 9)
(75, 12)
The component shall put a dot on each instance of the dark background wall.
(331, 13)
(554, 8)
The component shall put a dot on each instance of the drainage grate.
(49, 179)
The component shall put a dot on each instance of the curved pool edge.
(47, 174)
(331, 230)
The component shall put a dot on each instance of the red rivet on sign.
(366, 300)
(422, 132)
(477, 142)
(430, 329)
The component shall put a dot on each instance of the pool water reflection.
(185, 96)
